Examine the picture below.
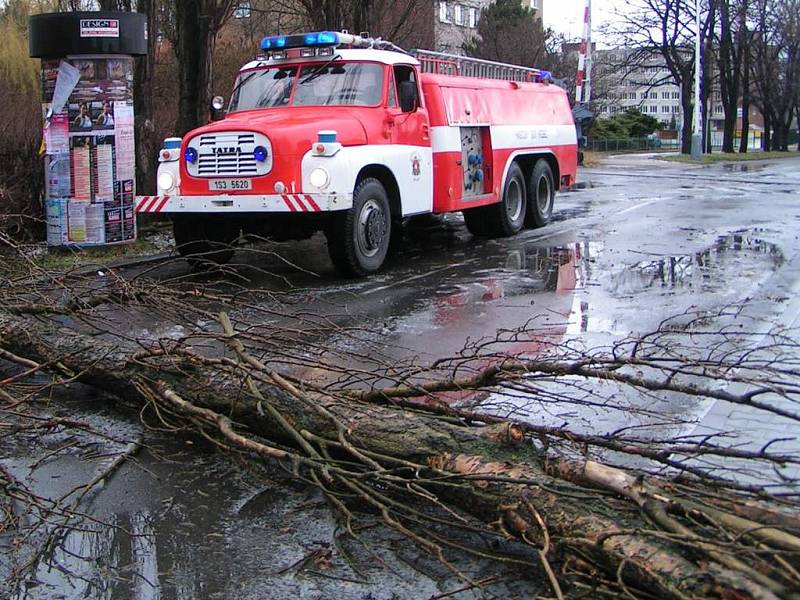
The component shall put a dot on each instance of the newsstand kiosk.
(88, 134)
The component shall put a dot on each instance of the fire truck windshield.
(354, 84)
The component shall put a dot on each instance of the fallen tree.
(428, 467)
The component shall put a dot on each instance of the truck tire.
(358, 239)
(541, 195)
(204, 240)
(504, 218)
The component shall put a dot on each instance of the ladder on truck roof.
(442, 63)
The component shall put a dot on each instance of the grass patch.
(719, 157)
(24, 257)
(64, 259)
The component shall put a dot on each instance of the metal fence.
(630, 144)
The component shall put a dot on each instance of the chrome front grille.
(229, 154)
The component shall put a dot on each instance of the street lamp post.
(696, 129)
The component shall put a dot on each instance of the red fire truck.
(349, 135)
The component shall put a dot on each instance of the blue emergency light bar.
(320, 38)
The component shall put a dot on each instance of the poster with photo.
(80, 116)
(105, 115)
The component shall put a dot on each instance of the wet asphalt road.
(643, 241)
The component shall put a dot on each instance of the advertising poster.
(57, 221)
(76, 215)
(90, 152)
(81, 167)
(58, 174)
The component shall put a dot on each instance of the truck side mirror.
(408, 96)
(217, 108)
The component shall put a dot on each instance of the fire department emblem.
(416, 168)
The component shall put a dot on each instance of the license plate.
(229, 185)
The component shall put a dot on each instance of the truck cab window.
(263, 88)
(407, 87)
(356, 84)
(392, 102)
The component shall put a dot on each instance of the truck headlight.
(166, 181)
(319, 178)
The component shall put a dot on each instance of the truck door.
(409, 126)
(408, 130)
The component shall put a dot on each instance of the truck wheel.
(541, 195)
(204, 239)
(358, 239)
(506, 217)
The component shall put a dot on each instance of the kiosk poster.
(90, 152)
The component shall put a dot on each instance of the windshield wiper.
(317, 71)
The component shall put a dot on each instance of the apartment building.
(457, 22)
(649, 87)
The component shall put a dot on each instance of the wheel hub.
(513, 200)
(372, 228)
(543, 194)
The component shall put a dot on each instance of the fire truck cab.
(349, 135)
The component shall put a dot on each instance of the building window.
(676, 95)
(444, 17)
(242, 10)
(665, 95)
(653, 95)
(458, 15)
(644, 95)
(473, 18)
(676, 108)
(653, 109)
(665, 109)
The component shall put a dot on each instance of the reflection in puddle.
(732, 257)
(742, 168)
(732, 265)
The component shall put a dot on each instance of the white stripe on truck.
(507, 137)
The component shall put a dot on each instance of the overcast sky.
(566, 16)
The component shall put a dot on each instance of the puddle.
(565, 214)
(743, 168)
(731, 259)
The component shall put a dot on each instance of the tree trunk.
(485, 471)
(766, 139)
(688, 106)
(146, 144)
(745, 137)
(194, 49)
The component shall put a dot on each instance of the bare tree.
(664, 30)
(776, 66)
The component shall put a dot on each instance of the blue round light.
(260, 153)
(190, 155)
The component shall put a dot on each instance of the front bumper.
(261, 203)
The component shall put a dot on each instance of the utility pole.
(583, 79)
(696, 124)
